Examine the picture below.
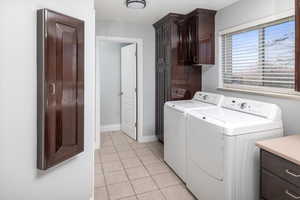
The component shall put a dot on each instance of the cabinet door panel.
(61, 114)
(193, 23)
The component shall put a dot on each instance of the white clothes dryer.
(222, 159)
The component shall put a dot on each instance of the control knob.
(243, 105)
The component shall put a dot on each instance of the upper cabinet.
(196, 38)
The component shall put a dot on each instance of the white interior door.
(128, 90)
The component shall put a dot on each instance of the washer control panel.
(206, 97)
(249, 106)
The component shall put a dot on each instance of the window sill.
(295, 96)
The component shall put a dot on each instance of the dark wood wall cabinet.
(280, 178)
(60, 62)
(197, 38)
(183, 43)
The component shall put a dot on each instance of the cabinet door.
(182, 43)
(206, 53)
(206, 50)
(193, 32)
(160, 100)
(61, 88)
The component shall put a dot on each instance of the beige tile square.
(132, 162)
(166, 179)
(98, 168)
(107, 150)
(127, 155)
(138, 145)
(112, 166)
(99, 180)
(116, 177)
(154, 195)
(143, 185)
(123, 147)
(110, 158)
(97, 157)
(157, 168)
(107, 143)
(156, 145)
(101, 194)
(106, 133)
(120, 190)
(177, 192)
(137, 172)
(149, 159)
(119, 141)
(143, 152)
(129, 198)
(130, 140)
(159, 154)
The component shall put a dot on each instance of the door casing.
(140, 96)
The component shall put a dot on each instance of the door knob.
(121, 93)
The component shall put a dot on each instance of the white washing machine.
(175, 128)
(222, 159)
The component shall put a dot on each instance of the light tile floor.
(127, 170)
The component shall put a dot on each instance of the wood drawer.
(274, 188)
(281, 167)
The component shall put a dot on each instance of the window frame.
(257, 89)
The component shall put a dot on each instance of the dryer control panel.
(266, 110)
(215, 99)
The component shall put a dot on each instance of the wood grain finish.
(281, 167)
(274, 188)
(197, 41)
(178, 47)
(61, 88)
(166, 61)
(279, 178)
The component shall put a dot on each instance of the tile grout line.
(128, 178)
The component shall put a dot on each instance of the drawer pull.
(292, 174)
(291, 195)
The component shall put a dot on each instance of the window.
(261, 58)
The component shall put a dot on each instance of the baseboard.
(112, 127)
(144, 139)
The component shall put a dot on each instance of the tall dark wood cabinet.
(183, 43)
(60, 58)
(166, 57)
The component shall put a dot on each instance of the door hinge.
(135, 54)
(135, 90)
(135, 124)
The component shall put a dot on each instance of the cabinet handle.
(291, 195)
(291, 173)
(195, 59)
(52, 88)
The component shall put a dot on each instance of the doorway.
(119, 86)
(128, 90)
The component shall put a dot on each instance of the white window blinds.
(262, 57)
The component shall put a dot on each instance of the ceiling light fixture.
(136, 4)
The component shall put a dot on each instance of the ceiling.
(116, 10)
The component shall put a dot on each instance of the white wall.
(110, 82)
(239, 13)
(145, 32)
(19, 178)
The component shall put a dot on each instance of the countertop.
(285, 147)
